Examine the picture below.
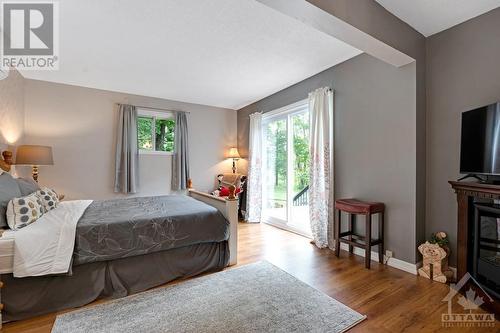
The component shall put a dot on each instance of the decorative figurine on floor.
(435, 253)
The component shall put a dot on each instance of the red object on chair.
(224, 191)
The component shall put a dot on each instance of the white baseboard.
(393, 262)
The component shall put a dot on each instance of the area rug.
(254, 298)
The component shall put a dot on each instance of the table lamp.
(34, 155)
(233, 153)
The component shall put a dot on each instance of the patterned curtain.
(320, 171)
(254, 187)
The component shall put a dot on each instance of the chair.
(238, 181)
(356, 207)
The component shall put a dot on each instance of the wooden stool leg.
(381, 238)
(337, 232)
(368, 240)
(351, 226)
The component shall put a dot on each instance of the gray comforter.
(121, 228)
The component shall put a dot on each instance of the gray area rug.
(253, 298)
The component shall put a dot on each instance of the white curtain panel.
(254, 188)
(320, 171)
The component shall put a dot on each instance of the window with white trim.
(155, 132)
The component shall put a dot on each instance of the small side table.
(1, 305)
(1, 286)
(357, 207)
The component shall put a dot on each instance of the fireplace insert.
(485, 254)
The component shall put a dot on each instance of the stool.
(357, 207)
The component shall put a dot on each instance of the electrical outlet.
(388, 255)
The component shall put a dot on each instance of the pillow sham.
(9, 189)
(27, 186)
(23, 211)
(49, 198)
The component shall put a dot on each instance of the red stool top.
(356, 206)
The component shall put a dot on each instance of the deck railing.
(302, 198)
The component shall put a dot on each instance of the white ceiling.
(226, 53)
(432, 16)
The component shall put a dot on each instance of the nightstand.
(1, 305)
(6, 259)
(1, 285)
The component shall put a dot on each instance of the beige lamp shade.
(233, 153)
(34, 155)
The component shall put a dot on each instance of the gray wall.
(375, 139)
(11, 110)
(80, 123)
(463, 72)
(370, 17)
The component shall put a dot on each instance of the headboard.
(6, 160)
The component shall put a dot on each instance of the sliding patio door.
(286, 168)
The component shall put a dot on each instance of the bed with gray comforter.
(122, 228)
(124, 246)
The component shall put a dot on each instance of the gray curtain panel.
(127, 151)
(180, 160)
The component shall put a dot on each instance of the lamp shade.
(34, 155)
(233, 153)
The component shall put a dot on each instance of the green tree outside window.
(156, 134)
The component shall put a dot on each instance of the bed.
(119, 247)
(7, 252)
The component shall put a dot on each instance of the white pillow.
(23, 211)
(49, 198)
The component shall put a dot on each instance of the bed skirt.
(32, 296)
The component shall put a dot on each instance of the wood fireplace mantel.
(466, 191)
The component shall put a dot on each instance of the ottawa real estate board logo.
(30, 35)
(464, 308)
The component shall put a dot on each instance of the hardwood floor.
(394, 301)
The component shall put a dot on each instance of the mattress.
(122, 228)
(7, 251)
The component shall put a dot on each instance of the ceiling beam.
(320, 20)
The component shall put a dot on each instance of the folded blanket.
(46, 246)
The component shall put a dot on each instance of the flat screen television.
(480, 143)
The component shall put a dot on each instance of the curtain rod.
(152, 108)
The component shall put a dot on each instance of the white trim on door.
(295, 107)
(285, 113)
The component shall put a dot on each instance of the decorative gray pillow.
(49, 198)
(27, 186)
(21, 212)
(9, 189)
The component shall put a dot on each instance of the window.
(285, 161)
(155, 132)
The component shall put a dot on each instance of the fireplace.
(478, 245)
(484, 253)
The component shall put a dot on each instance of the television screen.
(480, 146)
